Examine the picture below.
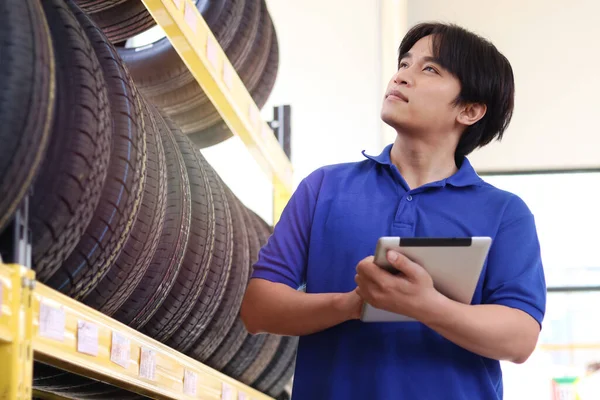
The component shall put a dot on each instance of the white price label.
(253, 115)
(227, 392)
(87, 338)
(212, 52)
(190, 17)
(148, 364)
(190, 382)
(266, 132)
(52, 322)
(178, 3)
(120, 350)
(228, 75)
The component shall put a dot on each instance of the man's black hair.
(484, 73)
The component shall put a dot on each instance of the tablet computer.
(455, 265)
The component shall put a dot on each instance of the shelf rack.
(39, 323)
(193, 40)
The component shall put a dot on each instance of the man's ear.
(471, 113)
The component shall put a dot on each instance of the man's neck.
(421, 162)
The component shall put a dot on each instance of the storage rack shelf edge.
(67, 334)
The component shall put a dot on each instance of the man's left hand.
(409, 293)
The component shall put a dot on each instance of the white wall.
(329, 73)
(553, 48)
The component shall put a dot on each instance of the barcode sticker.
(87, 338)
(190, 382)
(148, 364)
(120, 350)
(227, 393)
(52, 322)
(211, 52)
(190, 17)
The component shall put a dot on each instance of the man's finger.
(403, 264)
(367, 268)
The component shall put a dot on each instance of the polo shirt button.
(409, 197)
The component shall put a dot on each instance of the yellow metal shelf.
(67, 334)
(193, 40)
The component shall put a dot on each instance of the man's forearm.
(278, 309)
(492, 331)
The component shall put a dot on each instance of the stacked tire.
(243, 29)
(126, 214)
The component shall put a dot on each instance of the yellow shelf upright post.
(281, 196)
(16, 332)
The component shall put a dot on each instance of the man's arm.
(490, 330)
(279, 309)
(271, 302)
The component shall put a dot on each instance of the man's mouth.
(397, 95)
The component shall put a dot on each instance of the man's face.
(420, 96)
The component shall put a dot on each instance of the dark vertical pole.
(282, 127)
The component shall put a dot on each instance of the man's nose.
(403, 77)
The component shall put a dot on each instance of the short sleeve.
(283, 259)
(515, 274)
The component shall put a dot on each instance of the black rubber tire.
(92, 6)
(254, 64)
(158, 69)
(285, 354)
(232, 343)
(269, 75)
(68, 189)
(198, 255)
(124, 275)
(166, 262)
(121, 195)
(237, 334)
(27, 99)
(73, 386)
(124, 20)
(47, 376)
(249, 373)
(220, 266)
(279, 386)
(249, 351)
(229, 308)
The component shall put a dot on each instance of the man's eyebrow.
(405, 55)
(425, 59)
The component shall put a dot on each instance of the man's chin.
(391, 120)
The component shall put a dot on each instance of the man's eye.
(430, 69)
(403, 65)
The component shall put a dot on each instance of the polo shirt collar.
(464, 177)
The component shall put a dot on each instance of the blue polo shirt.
(333, 221)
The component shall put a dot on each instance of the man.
(453, 92)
